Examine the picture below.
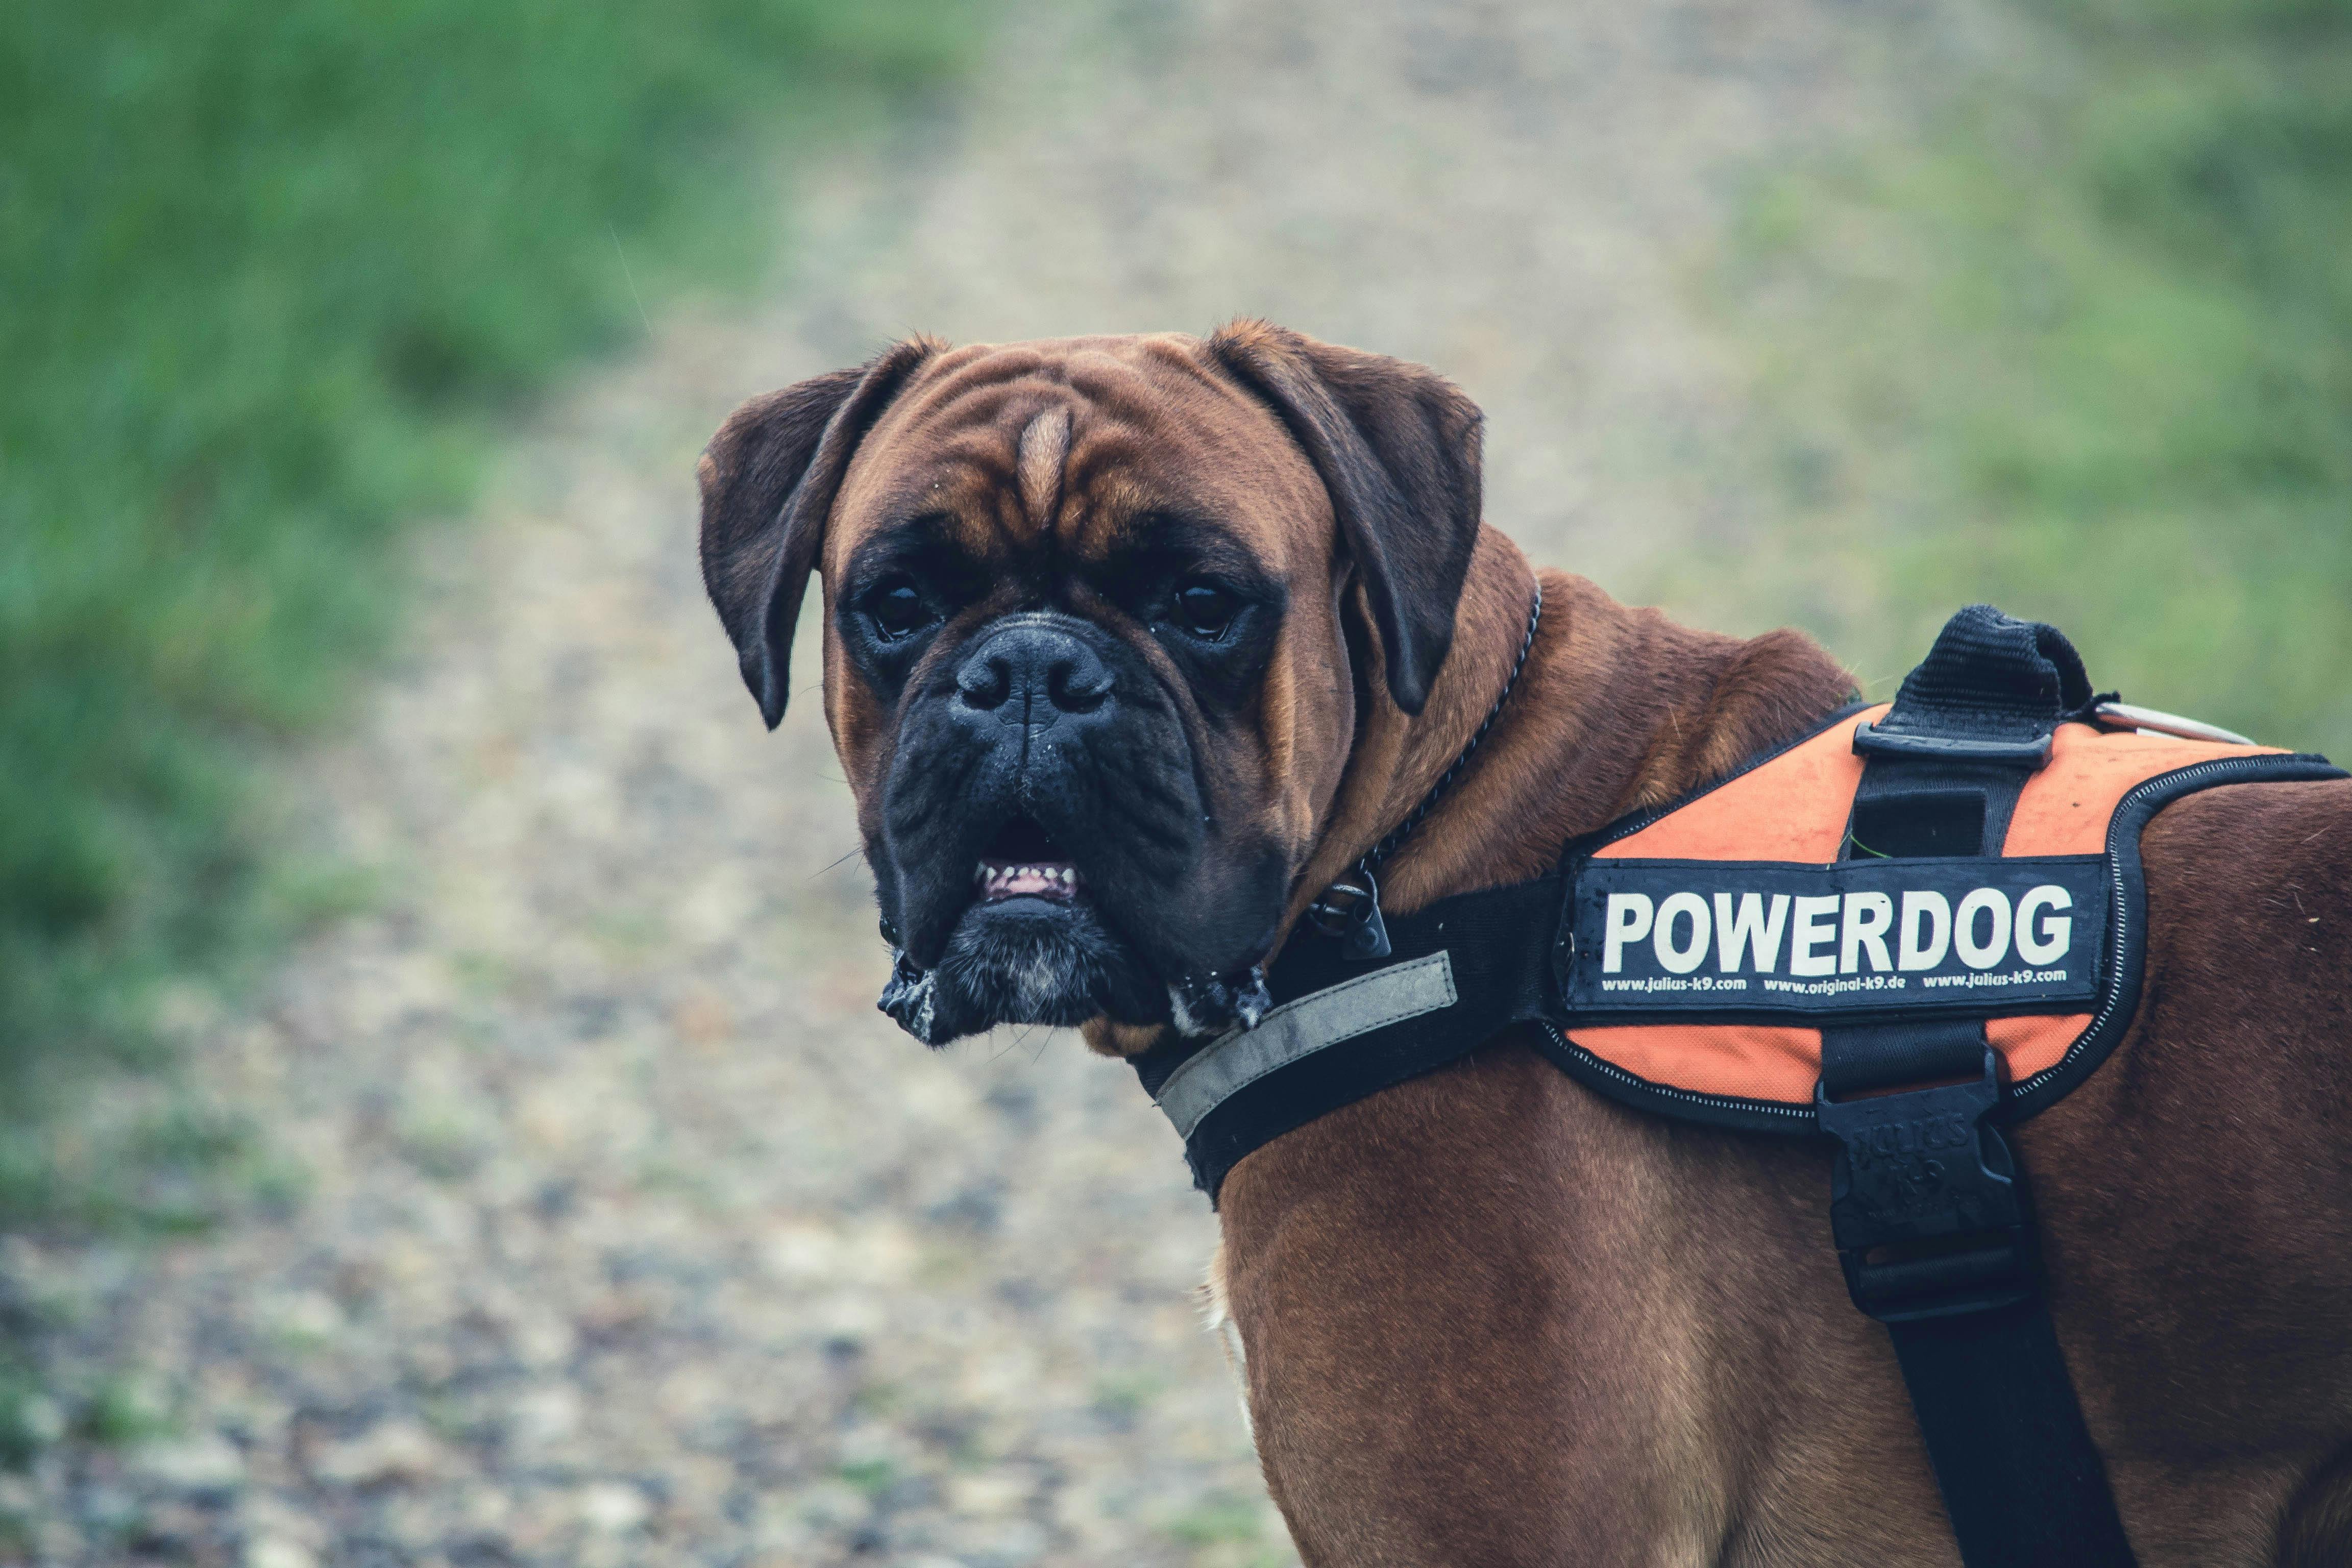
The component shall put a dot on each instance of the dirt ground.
(627, 1231)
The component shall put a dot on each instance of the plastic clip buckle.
(1923, 1201)
(1870, 741)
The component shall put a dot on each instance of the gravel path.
(627, 1231)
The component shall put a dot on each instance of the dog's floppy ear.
(1397, 446)
(769, 478)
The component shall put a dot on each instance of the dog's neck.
(1616, 709)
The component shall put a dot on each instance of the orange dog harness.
(1921, 923)
(1713, 941)
(1960, 865)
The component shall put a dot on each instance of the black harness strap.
(1499, 946)
(2020, 1479)
(1927, 1206)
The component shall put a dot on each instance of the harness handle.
(1928, 1207)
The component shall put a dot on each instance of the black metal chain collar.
(1357, 921)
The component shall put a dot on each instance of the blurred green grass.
(270, 275)
(2084, 350)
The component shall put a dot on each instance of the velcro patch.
(1732, 937)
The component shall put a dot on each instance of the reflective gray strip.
(1233, 1061)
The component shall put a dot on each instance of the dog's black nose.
(1032, 673)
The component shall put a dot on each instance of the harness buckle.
(1356, 921)
(1875, 740)
(1924, 1201)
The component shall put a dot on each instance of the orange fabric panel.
(2064, 809)
(2035, 1042)
(1758, 1062)
(1795, 807)
(1752, 1061)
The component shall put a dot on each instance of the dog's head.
(1101, 616)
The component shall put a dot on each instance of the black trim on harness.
(2127, 959)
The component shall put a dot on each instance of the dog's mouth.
(1032, 947)
(1023, 862)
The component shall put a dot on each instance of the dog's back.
(2198, 1189)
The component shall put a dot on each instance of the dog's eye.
(898, 609)
(1204, 609)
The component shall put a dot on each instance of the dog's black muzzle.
(1046, 850)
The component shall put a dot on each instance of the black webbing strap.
(1497, 945)
(1927, 1206)
(2020, 1476)
(1889, 1055)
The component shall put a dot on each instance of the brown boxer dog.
(1133, 644)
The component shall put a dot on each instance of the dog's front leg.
(1490, 1319)
(1452, 1355)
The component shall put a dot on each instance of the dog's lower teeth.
(1035, 881)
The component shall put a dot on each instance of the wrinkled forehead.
(1081, 446)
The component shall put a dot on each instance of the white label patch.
(1742, 937)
